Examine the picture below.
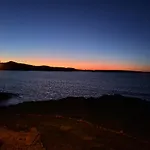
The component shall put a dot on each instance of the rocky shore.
(6, 96)
(130, 117)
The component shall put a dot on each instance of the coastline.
(17, 66)
(132, 115)
(107, 122)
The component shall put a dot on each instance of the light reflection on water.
(55, 85)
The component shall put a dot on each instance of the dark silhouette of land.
(14, 66)
(6, 96)
(115, 111)
(108, 122)
(25, 67)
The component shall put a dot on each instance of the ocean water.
(37, 86)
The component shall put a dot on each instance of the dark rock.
(5, 96)
(126, 114)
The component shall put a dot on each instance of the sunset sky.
(85, 34)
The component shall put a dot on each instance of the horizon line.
(76, 69)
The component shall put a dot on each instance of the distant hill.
(11, 65)
(26, 67)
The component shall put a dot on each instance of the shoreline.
(107, 122)
(127, 114)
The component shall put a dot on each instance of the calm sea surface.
(35, 86)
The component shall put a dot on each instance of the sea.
(40, 86)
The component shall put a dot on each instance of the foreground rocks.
(109, 122)
(20, 140)
(6, 96)
(49, 132)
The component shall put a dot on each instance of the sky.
(84, 34)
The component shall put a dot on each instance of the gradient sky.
(87, 34)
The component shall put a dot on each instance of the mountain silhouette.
(26, 67)
(14, 66)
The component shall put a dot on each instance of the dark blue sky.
(100, 34)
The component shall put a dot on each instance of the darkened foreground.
(116, 122)
(6, 96)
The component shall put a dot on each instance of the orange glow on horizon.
(84, 65)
